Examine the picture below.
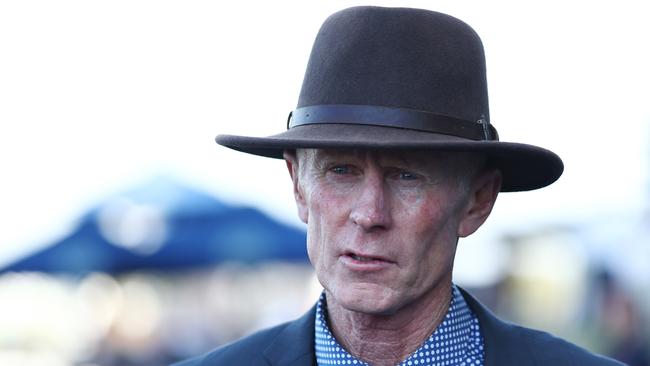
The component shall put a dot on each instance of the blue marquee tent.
(166, 225)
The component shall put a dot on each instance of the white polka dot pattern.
(456, 342)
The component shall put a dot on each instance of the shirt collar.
(456, 341)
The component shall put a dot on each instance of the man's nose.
(370, 208)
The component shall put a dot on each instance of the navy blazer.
(506, 344)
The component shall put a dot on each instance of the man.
(393, 158)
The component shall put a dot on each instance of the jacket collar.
(294, 345)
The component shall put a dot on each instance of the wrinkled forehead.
(389, 156)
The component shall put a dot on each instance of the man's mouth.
(366, 258)
(362, 259)
(359, 262)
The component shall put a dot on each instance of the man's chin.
(367, 301)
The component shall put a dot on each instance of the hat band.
(392, 117)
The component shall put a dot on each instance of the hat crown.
(398, 57)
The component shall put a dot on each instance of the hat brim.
(524, 167)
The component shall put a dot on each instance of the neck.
(388, 339)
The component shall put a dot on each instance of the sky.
(99, 96)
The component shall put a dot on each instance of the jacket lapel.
(294, 345)
(503, 345)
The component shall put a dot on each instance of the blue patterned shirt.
(457, 341)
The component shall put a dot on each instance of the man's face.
(383, 226)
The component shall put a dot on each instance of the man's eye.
(407, 176)
(340, 169)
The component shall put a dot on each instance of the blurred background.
(128, 237)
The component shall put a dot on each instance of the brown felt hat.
(399, 78)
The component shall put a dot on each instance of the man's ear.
(483, 195)
(291, 159)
